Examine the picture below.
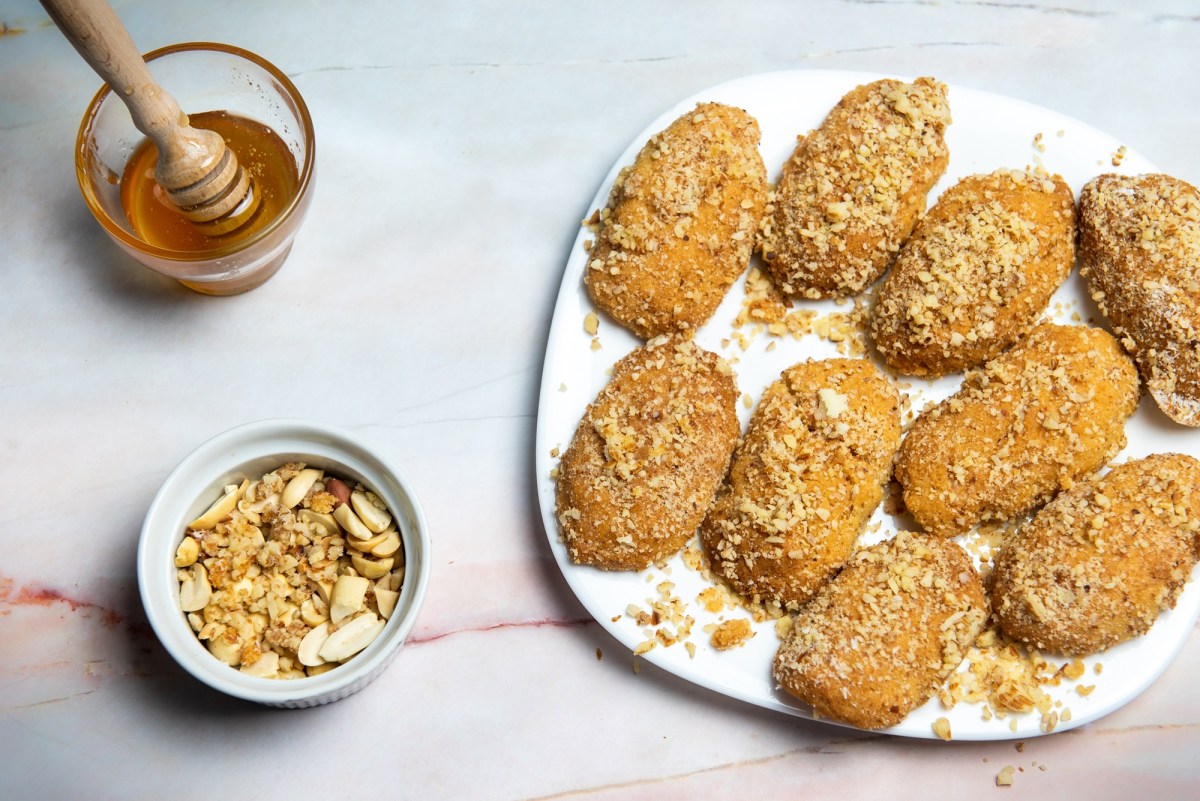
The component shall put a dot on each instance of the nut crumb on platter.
(731, 634)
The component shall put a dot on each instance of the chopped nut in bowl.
(283, 562)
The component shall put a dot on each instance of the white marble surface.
(459, 145)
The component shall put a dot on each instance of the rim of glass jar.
(305, 174)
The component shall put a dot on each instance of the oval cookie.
(646, 459)
(1139, 250)
(1043, 414)
(810, 470)
(976, 273)
(879, 639)
(680, 223)
(1100, 562)
(854, 187)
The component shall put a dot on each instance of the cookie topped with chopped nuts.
(1100, 562)
(809, 472)
(1037, 418)
(853, 189)
(879, 639)
(976, 273)
(680, 223)
(1139, 250)
(646, 459)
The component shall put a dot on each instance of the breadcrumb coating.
(880, 638)
(1100, 562)
(680, 224)
(976, 273)
(809, 472)
(646, 459)
(1030, 422)
(853, 189)
(1139, 250)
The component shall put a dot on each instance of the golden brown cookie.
(680, 223)
(976, 273)
(1139, 249)
(809, 472)
(853, 189)
(1100, 562)
(646, 459)
(880, 638)
(1030, 422)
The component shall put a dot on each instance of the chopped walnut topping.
(854, 187)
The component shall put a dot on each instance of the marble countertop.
(459, 145)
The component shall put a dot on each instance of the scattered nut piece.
(941, 727)
(227, 650)
(220, 509)
(187, 553)
(370, 568)
(354, 526)
(352, 637)
(321, 523)
(390, 544)
(299, 486)
(314, 611)
(324, 589)
(265, 667)
(367, 546)
(371, 511)
(309, 652)
(731, 634)
(338, 489)
(349, 594)
(195, 591)
(386, 601)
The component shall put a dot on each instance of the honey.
(260, 151)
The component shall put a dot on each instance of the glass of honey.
(266, 124)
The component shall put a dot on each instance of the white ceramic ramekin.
(248, 451)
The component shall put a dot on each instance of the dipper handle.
(95, 31)
(200, 174)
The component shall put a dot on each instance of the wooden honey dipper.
(199, 174)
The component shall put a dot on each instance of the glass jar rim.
(297, 200)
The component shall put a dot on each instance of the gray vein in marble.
(918, 46)
(479, 65)
(1033, 7)
(1054, 10)
(1051, 10)
(824, 749)
(1148, 727)
(48, 701)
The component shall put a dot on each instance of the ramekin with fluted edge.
(248, 451)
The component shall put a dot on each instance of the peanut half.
(351, 638)
(187, 553)
(221, 508)
(299, 486)
(349, 594)
(194, 590)
(371, 511)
